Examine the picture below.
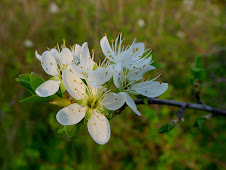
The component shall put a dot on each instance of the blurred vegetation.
(176, 31)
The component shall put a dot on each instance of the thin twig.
(194, 106)
(180, 112)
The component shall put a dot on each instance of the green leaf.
(25, 77)
(200, 122)
(35, 98)
(35, 81)
(61, 129)
(167, 127)
(72, 130)
(24, 80)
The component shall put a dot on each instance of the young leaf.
(24, 80)
(200, 122)
(36, 98)
(72, 130)
(167, 127)
(25, 77)
(35, 81)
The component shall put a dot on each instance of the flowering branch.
(83, 87)
(182, 105)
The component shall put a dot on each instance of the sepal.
(36, 98)
(72, 130)
(62, 102)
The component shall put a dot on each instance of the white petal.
(49, 64)
(124, 58)
(66, 57)
(138, 74)
(85, 59)
(55, 54)
(48, 88)
(74, 85)
(150, 88)
(39, 57)
(140, 63)
(106, 48)
(99, 128)
(131, 103)
(117, 74)
(71, 115)
(139, 48)
(113, 101)
(76, 52)
(100, 76)
(77, 70)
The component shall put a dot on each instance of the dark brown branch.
(194, 106)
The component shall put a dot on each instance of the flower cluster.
(95, 89)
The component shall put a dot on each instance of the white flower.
(86, 68)
(129, 67)
(131, 82)
(94, 101)
(118, 54)
(53, 63)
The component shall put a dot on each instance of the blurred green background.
(176, 31)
